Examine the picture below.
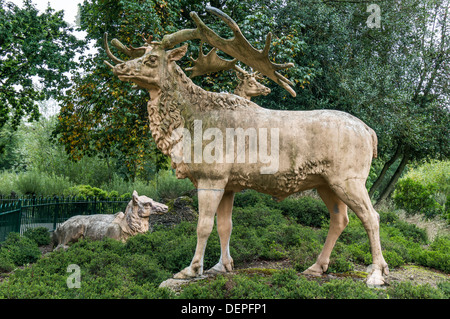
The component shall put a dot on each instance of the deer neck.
(240, 92)
(164, 118)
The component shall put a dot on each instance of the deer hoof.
(375, 278)
(220, 268)
(188, 273)
(315, 270)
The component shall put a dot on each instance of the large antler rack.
(237, 47)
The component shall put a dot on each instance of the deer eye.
(151, 61)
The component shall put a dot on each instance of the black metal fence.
(18, 215)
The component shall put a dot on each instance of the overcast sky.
(69, 6)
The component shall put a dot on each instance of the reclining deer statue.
(328, 150)
(120, 226)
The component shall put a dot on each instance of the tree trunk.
(390, 187)
(386, 166)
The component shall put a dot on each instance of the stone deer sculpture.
(328, 150)
(118, 226)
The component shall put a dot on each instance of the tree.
(100, 114)
(396, 70)
(395, 77)
(32, 46)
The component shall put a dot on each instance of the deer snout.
(158, 208)
(266, 91)
(122, 69)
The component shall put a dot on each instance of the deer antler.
(237, 47)
(209, 63)
(131, 52)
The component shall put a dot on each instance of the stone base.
(176, 285)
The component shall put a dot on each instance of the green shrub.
(407, 290)
(22, 250)
(388, 217)
(168, 186)
(288, 285)
(393, 259)
(40, 235)
(341, 264)
(41, 183)
(6, 262)
(347, 289)
(87, 191)
(304, 210)
(425, 189)
(444, 286)
(414, 197)
(305, 255)
(250, 198)
(258, 216)
(411, 232)
(434, 172)
(8, 183)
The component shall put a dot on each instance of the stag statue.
(328, 150)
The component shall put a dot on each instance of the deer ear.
(177, 53)
(135, 197)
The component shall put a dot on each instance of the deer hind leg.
(354, 193)
(338, 222)
(224, 227)
(208, 202)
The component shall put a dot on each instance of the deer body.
(327, 150)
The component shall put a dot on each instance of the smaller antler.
(209, 63)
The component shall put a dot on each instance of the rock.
(176, 285)
(180, 209)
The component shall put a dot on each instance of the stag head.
(150, 62)
(249, 86)
(147, 70)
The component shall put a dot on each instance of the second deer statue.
(328, 150)
(248, 86)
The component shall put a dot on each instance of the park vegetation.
(395, 78)
(291, 232)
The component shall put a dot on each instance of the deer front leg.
(208, 201)
(224, 227)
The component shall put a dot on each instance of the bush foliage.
(262, 230)
(425, 190)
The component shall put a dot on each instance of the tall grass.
(164, 185)
(34, 182)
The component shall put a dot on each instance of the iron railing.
(18, 215)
